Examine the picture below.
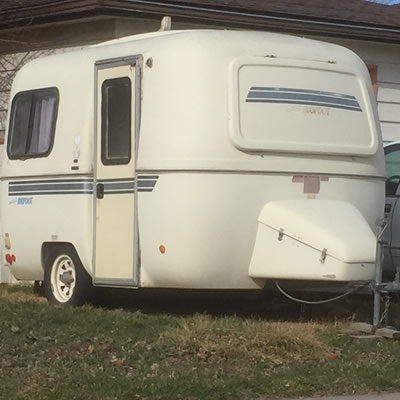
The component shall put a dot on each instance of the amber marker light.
(162, 249)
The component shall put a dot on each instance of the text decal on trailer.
(21, 201)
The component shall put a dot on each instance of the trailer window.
(32, 123)
(116, 121)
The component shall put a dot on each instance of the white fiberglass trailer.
(196, 159)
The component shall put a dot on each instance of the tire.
(65, 280)
(38, 289)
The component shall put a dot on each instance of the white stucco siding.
(387, 59)
(389, 100)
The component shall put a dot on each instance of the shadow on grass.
(268, 305)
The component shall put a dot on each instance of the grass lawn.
(187, 350)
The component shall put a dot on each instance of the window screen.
(116, 121)
(32, 123)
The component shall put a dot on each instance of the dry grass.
(20, 294)
(230, 338)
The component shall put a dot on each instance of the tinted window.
(116, 121)
(392, 160)
(32, 123)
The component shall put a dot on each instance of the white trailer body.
(196, 159)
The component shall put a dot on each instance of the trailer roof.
(252, 42)
(193, 43)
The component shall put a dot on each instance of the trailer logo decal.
(145, 183)
(21, 201)
(302, 96)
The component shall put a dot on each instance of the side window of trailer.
(116, 121)
(32, 123)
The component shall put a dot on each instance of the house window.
(116, 121)
(373, 73)
(32, 123)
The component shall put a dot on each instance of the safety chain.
(385, 314)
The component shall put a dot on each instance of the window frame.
(10, 134)
(116, 161)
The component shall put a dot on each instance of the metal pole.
(380, 227)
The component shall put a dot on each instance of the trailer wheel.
(65, 279)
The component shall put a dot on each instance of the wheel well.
(50, 249)
(65, 280)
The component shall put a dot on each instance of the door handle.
(100, 191)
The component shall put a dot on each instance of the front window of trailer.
(32, 123)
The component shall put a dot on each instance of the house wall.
(387, 60)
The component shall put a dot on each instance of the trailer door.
(116, 126)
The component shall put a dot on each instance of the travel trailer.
(192, 159)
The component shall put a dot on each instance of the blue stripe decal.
(293, 90)
(51, 187)
(145, 183)
(60, 180)
(303, 97)
(34, 193)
